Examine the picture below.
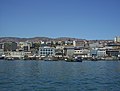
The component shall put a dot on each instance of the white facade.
(46, 51)
(69, 51)
(81, 52)
(74, 43)
(117, 39)
(22, 45)
(95, 45)
(101, 53)
(17, 54)
(78, 43)
(60, 47)
(1, 52)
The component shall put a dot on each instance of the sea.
(20, 75)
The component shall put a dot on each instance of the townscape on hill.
(59, 49)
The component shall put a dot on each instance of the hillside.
(35, 39)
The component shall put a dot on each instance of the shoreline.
(55, 60)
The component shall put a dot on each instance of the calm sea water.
(59, 76)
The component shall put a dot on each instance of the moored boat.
(76, 59)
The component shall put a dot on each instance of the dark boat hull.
(1, 57)
(74, 60)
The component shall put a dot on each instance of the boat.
(50, 59)
(9, 58)
(94, 59)
(2, 57)
(76, 59)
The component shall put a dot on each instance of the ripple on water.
(59, 76)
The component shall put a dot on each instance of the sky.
(85, 19)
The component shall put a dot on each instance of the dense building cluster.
(60, 50)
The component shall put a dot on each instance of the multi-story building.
(25, 46)
(78, 43)
(1, 45)
(101, 53)
(1, 49)
(82, 52)
(111, 53)
(69, 51)
(93, 52)
(117, 39)
(46, 51)
(10, 46)
(95, 45)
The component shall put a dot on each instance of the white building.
(46, 51)
(101, 53)
(117, 39)
(17, 54)
(78, 43)
(95, 45)
(1, 49)
(69, 51)
(24, 46)
(60, 47)
(81, 52)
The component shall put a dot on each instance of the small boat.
(94, 59)
(2, 57)
(49, 59)
(76, 59)
(9, 58)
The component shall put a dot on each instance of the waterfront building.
(1, 49)
(15, 54)
(69, 51)
(1, 52)
(101, 53)
(93, 52)
(59, 51)
(81, 52)
(112, 53)
(46, 51)
(25, 46)
(10, 46)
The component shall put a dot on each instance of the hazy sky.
(87, 19)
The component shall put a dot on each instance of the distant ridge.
(67, 38)
(36, 39)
